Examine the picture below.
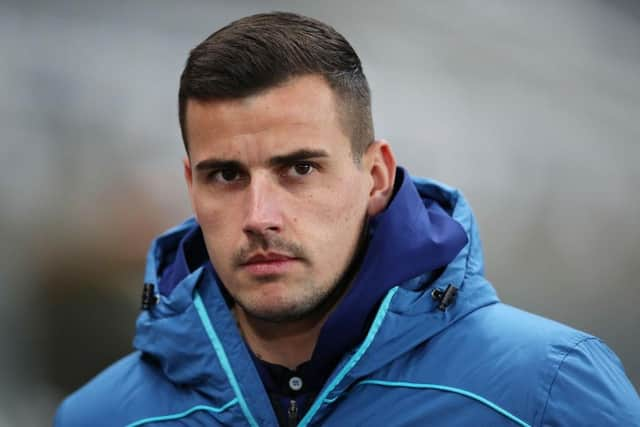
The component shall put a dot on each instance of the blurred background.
(531, 108)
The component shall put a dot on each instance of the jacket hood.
(410, 314)
(173, 335)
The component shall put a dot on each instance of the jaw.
(289, 340)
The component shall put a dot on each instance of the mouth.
(268, 264)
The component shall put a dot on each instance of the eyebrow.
(296, 156)
(275, 161)
(216, 164)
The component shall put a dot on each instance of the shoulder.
(557, 374)
(117, 395)
(507, 327)
(510, 340)
(590, 385)
(499, 347)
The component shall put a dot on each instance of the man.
(319, 284)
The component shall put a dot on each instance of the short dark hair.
(262, 51)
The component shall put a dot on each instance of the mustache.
(267, 243)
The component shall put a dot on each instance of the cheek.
(217, 225)
(213, 210)
(336, 220)
(209, 216)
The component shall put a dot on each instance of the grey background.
(531, 108)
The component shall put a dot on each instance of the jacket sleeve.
(591, 389)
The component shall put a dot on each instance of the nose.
(262, 208)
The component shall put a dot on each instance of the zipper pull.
(293, 413)
(445, 297)
(149, 297)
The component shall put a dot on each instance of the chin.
(280, 308)
(276, 314)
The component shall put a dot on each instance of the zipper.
(293, 413)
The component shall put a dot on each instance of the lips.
(269, 257)
(268, 264)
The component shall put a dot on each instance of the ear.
(188, 177)
(381, 164)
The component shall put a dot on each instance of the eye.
(226, 175)
(302, 168)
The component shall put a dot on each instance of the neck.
(288, 344)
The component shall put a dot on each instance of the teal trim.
(222, 356)
(375, 326)
(184, 414)
(462, 392)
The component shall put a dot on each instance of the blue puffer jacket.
(477, 363)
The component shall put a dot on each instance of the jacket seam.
(362, 349)
(183, 414)
(552, 383)
(462, 392)
(222, 357)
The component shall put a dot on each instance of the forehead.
(303, 108)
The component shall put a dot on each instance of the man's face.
(277, 193)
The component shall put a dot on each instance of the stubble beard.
(309, 299)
